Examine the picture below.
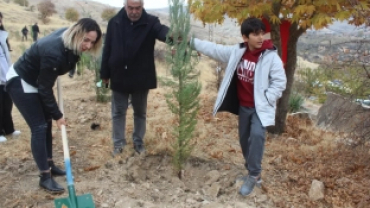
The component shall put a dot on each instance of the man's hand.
(106, 82)
(61, 122)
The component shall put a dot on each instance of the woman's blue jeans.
(33, 111)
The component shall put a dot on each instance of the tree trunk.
(283, 102)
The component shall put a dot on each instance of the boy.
(254, 80)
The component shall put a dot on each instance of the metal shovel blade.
(73, 201)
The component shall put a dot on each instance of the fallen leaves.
(91, 168)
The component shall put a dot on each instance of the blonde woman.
(30, 83)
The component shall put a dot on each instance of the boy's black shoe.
(249, 183)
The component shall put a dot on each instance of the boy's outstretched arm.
(215, 51)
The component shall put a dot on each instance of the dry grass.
(306, 153)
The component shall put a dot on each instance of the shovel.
(72, 201)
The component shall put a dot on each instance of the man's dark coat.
(128, 54)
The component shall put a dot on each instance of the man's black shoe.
(139, 148)
(116, 151)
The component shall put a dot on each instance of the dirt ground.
(291, 162)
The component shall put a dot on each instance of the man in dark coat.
(35, 32)
(128, 67)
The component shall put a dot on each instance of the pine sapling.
(183, 99)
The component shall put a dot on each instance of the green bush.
(309, 79)
(72, 14)
(85, 62)
(24, 3)
(295, 102)
(102, 93)
(108, 13)
(322, 98)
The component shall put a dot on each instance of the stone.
(261, 198)
(243, 205)
(213, 190)
(190, 201)
(100, 192)
(212, 176)
(105, 205)
(337, 106)
(212, 205)
(121, 203)
(136, 174)
(317, 190)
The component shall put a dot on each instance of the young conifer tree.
(183, 100)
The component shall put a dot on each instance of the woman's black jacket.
(128, 54)
(41, 65)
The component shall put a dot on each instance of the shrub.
(310, 79)
(108, 13)
(30, 8)
(46, 9)
(92, 63)
(295, 102)
(24, 3)
(85, 62)
(102, 93)
(72, 14)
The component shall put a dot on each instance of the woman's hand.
(61, 122)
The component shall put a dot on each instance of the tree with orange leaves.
(287, 20)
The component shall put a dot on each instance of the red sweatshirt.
(245, 71)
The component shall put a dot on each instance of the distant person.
(253, 82)
(24, 33)
(128, 66)
(30, 85)
(35, 32)
(6, 103)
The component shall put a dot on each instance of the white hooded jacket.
(269, 79)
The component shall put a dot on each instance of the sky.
(148, 4)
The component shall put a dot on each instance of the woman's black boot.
(55, 171)
(49, 184)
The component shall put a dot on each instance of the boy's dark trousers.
(252, 139)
